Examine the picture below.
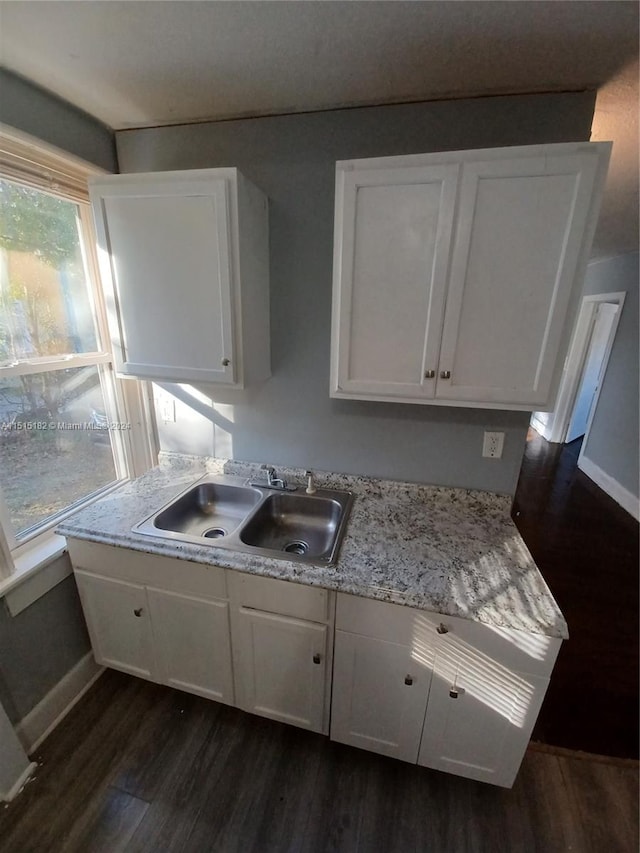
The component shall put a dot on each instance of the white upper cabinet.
(456, 274)
(392, 266)
(184, 258)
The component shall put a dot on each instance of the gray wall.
(290, 419)
(41, 644)
(43, 115)
(613, 438)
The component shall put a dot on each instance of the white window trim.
(23, 575)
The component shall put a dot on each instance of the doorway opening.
(584, 370)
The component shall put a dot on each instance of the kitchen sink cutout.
(236, 515)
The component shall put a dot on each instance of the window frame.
(27, 161)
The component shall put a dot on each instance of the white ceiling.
(140, 64)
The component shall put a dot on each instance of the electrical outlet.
(168, 410)
(493, 444)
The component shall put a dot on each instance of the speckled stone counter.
(451, 551)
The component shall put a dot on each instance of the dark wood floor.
(139, 767)
(586, 546)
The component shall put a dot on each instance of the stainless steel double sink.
(230, 513)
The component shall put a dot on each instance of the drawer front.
(383, 621)
(149, 569)
(275, 596)
(519, 651)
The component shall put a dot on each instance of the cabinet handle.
(408, 680)
(137, 611)
(226, 362)
(429, 374)
(317, 658)
(442, 628)
(445, 374)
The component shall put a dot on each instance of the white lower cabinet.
(193, 651)
(281, 651)
(262, 644)
(449, 694)
(379, 696)
(479, 719)
(118, 621)
(446, 693)
(280, 667)
(176, 635)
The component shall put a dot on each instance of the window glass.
(55, 443)
(45, 309)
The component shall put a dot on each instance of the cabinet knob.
(408, 680)
(317, 658)
(226, 362)
(137, 611)
(442, 628)
(445, 374)
(429, 374)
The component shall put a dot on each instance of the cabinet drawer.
(149, 569)
(383, 621)
(275, 596)
(518, 651)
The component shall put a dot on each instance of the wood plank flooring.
(586, 547)
(140, 767)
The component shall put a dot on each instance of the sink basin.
(226, 512)
(211, 510)
(294, 524)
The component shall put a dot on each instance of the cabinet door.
(165, 256)
(118, 620)
(479, 716)
(193, 648)
(392, 236)
(280, 667)
(519, 236)
(380, 692)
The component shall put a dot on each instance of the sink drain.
(296, 547)
(215, 533)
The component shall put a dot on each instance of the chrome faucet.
(272, 481)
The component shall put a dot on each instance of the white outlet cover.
(493, 445)
(168, 410)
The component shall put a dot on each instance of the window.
(67, 426)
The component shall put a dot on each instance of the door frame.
(554, 427)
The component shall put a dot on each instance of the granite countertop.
(452, 551)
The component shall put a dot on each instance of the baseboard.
(19, 784)
(46, 715)
(612, 487)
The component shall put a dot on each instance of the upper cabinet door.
(457, 274)
(393, 232)
(519, 235)
(177, 252)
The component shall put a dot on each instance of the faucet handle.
(271, 473)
